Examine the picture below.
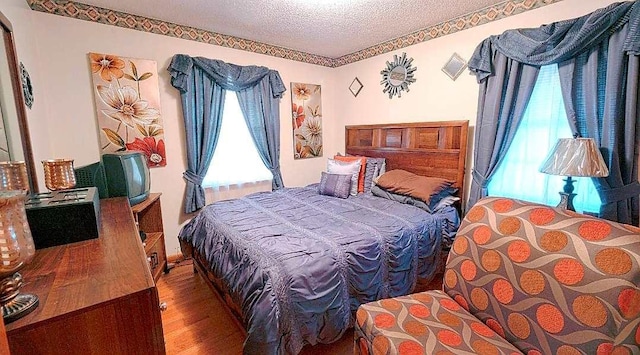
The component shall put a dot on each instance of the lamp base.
(566, 201)
(15, 304)
(19, 306)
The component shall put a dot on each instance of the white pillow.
(445, 202)
(344, 167)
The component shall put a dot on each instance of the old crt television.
(127, 175)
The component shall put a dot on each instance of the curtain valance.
(228, 76)
(559, 41)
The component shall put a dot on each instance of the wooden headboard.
(437, 149)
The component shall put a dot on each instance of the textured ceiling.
(330, 28)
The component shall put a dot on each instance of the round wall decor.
(397, 76)
(27, 89)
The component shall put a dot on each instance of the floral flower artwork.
(128, 105)
(153, 150)
(306, 110)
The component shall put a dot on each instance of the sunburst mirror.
(397, 76)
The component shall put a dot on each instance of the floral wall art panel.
(307, 120)
(127, 100)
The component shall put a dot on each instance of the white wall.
(434, 96)
(57, 49)
(63, 119)
(21, 17)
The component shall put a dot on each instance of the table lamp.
(16, 250)
(573, 157)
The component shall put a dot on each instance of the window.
(543, 123)
(236, 159)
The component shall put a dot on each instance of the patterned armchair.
(520, 278)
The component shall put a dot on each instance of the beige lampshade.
(575, 157)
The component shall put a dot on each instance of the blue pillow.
(408, 200)
(374, 167)
(337, 185)
(447, 191)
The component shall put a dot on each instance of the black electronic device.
(92, 175)
(62, 217)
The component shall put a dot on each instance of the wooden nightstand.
(148, 217)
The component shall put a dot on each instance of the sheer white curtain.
(543, 123)
(235, 160)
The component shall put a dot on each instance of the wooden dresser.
(96, 296)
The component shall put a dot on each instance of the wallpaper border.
(80, 11)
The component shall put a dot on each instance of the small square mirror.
(455, 66)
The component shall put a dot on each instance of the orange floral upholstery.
(424, 323)
(548, 281)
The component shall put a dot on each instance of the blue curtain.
(501, 104)
(600, 90)
(544, 121)
(261, 113)
(563, 42)
(202, 83)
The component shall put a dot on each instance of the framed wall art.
(398, 75)
(127, 100)
(307, 120)
(355, 86)
(27, 87)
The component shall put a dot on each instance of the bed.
(293, 265)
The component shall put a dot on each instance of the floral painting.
(128, 106)
(307, 120)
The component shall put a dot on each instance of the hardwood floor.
(196, 322)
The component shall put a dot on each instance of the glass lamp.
(58, 174)
(13, 176)
(573, 157)
(16, 250)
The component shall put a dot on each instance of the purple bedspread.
(299, 263)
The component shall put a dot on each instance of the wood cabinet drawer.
(156, 257)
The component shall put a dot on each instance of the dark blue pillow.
(408, 200)
(337, 185)
(447, 191)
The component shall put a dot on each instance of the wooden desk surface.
(79, 275)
